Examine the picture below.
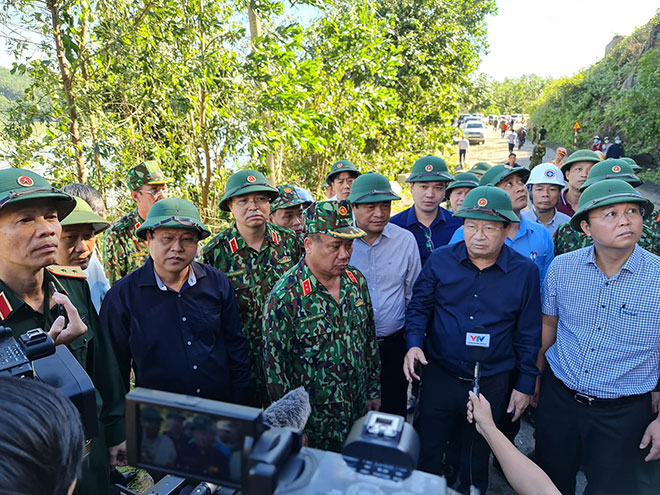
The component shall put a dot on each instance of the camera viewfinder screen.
(203, 446)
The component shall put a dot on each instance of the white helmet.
(546, 173)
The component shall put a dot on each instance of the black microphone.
(479, 342)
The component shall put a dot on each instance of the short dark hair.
(87, 193)
(41, 439)
(315, 237)
(512, 154)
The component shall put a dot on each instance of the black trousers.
(511, 146)
(443, 407)
(604, 440)
(393, 383)
(461, 156)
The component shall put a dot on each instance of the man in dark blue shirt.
(478, 290)
(175, 321)
(431, 224)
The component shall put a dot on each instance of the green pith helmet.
(633, 164)
(480, 167)
(612, 168)
(464, 179)
(488, 203)
(150, 413)
(145, 173)
(371, 188)
(579, 156)
(288, 197)
(17, 184)
(608, 192)
(174, 213)
(338, 168)
(430, 168)
(246, 182)
(83, 214)
(331, 218)
(498, 173)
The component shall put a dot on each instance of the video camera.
(228, 447)
(34, 356)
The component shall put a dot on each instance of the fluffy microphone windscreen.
(290, 411)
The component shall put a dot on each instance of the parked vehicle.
(475, 132)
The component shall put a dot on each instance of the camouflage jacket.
(252, 275)
(537, 156)
(329, 348)
(123, 251)
(566, 239)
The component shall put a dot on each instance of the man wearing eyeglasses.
(175, 321)
(601, 351)
(431, 224)
(254, 254)
(477, 293)
(123, 251)
(528, 238)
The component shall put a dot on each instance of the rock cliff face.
(619, 95)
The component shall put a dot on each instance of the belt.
(589, 400)
(387, 338)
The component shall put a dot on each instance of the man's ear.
(584, 225)
(134, 195)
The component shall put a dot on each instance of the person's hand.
(655, 402)
(534, 401)
(478, 410)
(652, 437)
(518, 404)
(118, 455)
(75, 328)
(373, 405)
(415, 355)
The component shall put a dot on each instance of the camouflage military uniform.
(537, 156)
(252, 275)
(566, 239)
(327, 347)
(123, 251)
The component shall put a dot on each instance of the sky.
(557, 37)
(544, 37)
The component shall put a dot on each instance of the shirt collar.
(147, 274)
(192, 279)
(387, 232)
(460, 251)
(412, 217)
(240, 242)
(551, 222)
(631, 265)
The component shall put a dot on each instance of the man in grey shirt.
(389, 259)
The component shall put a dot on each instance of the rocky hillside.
(620, 95)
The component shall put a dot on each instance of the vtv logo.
(477, 339)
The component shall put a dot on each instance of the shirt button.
(586, 371)
(472, 317)
(602, 306)
(593, 350)
(476, 295)
(184, 318)
(600, 328)
(179, 296)
(607, 283)
(198, 390)
(195, 366)
(189, 343)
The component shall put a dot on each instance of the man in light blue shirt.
(389, 259)
(601, 331)
(527, 238)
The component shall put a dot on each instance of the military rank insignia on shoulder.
(67, 271)
(351, 276)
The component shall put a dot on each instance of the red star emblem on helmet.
(343, 210)
(287, 190)
(25, 181)
(429, 168)
(482, 202)
(616, 169)
(340, 165)
(251, 178)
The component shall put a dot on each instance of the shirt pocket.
(80, 347)
(207, 326)
(639, 327)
